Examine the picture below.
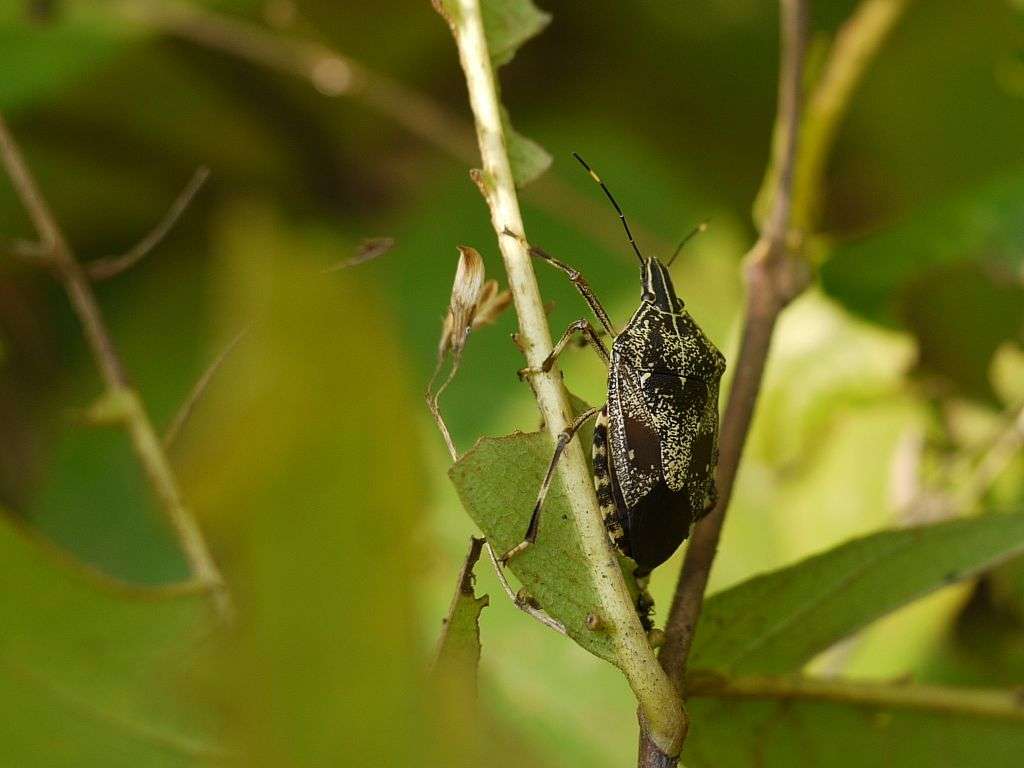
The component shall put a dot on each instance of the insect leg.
(644, 602)
(577, 279)
(582, 326)
(563, 440)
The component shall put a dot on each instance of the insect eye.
(647, 296)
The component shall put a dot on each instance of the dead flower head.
(474, 302)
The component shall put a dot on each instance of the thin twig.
(144, 439)
(773, 278)
(663, 715)
(184, 411)
(111, 266)
(329, 71)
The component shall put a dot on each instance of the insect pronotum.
(655, 443)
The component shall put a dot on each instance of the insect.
(655, 445)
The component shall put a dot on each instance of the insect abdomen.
(603, 481)
(612, 517)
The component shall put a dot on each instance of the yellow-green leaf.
(94, 672)
(497, 481)
(528, 159)
(458, 654)
(508, 24)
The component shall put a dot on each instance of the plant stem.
(856, 45)
(661, 710)
(69, 272)
(773, 276)
(960, 701)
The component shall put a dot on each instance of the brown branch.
(111, 266)
(773, 276)
(330, 72)
(118, 390)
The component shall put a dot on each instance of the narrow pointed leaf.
(778, 622)
(458, 654)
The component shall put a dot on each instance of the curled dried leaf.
(466, 292)
(474, 302)
(490, 305)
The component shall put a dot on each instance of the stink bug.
(655, 443)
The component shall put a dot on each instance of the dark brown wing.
(659, 460)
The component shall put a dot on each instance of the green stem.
(855, 47)
(959, 701)
(660, 706)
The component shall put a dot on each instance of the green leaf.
(497, 481)
(801, 721)
(93, 671)
(777, 622)
(508, 24)
(318, 511)
(323, 519)
(458, 654)
(871, 276)
(961, 314)
(528, 158)
(41, 57)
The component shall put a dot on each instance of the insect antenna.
(693, 233)
(608, 194)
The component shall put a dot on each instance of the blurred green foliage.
(312, 463)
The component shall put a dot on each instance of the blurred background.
(892, 397)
